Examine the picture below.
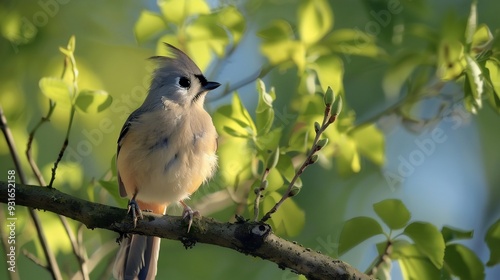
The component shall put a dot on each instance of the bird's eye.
(184, 82)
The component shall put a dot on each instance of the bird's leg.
(136, 211)
(188, 212)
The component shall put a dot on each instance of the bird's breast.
(174, 154)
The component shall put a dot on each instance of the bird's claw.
(190, 214)
(136, 211)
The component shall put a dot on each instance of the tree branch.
(253, 238)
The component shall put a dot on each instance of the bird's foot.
(189, 214)
(136, 211)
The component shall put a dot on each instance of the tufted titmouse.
(166, 150)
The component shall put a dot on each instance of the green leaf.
(315, 20)
(428, 240)
(275, 181)
(357, 230)
(286, 169)
(57, 90)
(481, 39)
(353, 42)
(205, 37)
(475, 80)
(148, 25)
(330, 71)
(471, 23)
(71, 44)
(449, 62)
(268, 141)
(178, 11)
(399, 72)
(348, 157)
(264, 111)
(463, 262)
(273, 159)
(235, 117)
(279, 47)
(112, 188)
(289, 219)
(370, 142)
(93, 101)
(494, 74)
(235, 153)
(452, 234)
(278, 30)
(414, 265)
(492, 239)
(233, 21)
(393, 212)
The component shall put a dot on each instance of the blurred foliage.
(308, 50)
(432, 255)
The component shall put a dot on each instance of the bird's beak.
(210, 86)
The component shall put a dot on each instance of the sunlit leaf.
(148, 25)
(206, 36)
(428, 240)
(236, 117)
(452, 234)
(399, 72)
(169, 39)
(494, 73)
(492, 239)
(370, 142)
(482, 38)
(449, 63)
(393, 212)
(71, 44)
(330, 71)
(471, 23)
(285, 167)
(415, 265)
(264, 111)
(353, 42)
(93, 101)
(475, 80)
(177, 12)
(275, 180)
(357, 230)
(348, 157)
(463, 262)
(277, 44)
(315, 20)
(278, 30)
(231, 18)
(57, 90)
(270, 140)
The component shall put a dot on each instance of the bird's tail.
(137, 257)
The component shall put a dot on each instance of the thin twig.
(383, 258)
(258, 194)
(34, 259)
(34, 167)
(327, 120)
(52, 265)
(31, 160)
(71, 116)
